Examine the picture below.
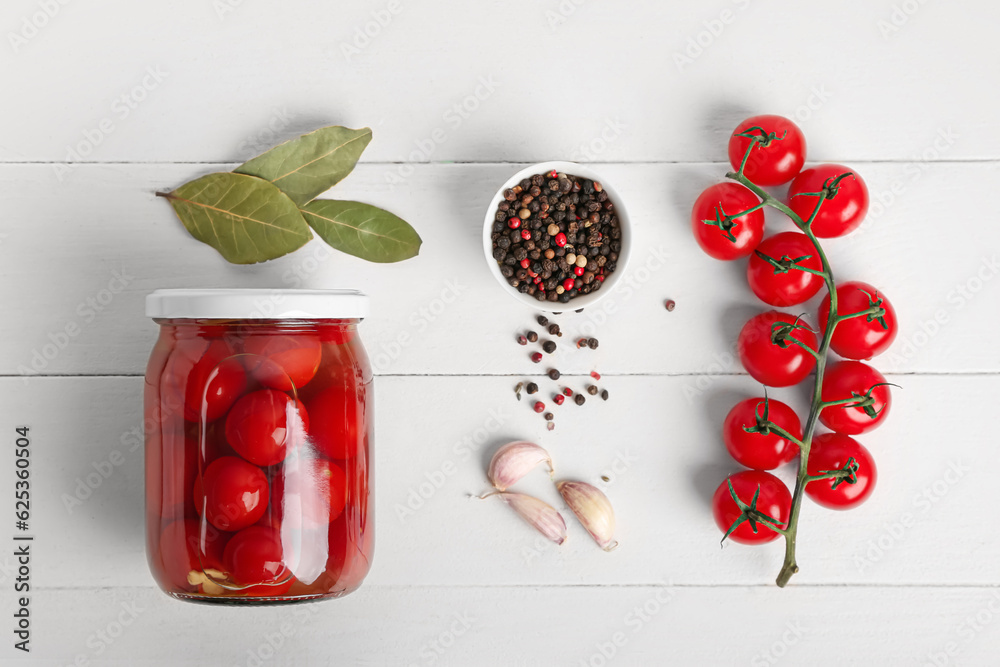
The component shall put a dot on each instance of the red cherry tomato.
(254, 557)
(231, 494)
(179, 468)
(777, 287)
(283, 361)
(775, 160)
(336, 333)
(767, 362)
(727, 199)
(756, 450)
(308, 492)
(333, 422)
(184, 547)
(837, 216)
(206, 375)
(832, 451)
(774, 500)
(262, 424)
(859, 337)
(845, 379)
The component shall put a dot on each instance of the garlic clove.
(593, 509)
(545, 518)
(515, 460)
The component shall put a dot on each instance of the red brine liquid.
(258, 460)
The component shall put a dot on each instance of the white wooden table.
(105, 103)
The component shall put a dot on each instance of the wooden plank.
(442, 312)
(662, 454)
(546, 625)
(202, 82)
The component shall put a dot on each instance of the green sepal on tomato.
(769, 362)
(837, 216)
(778, 154)
(849, 379)
(744, 233)
(785, 286)
(760, 451)
(831, 452)
(860, 337)
(773, 500)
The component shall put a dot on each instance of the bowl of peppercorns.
(557, 236)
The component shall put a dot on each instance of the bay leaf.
(362, 230)
(310, 165)
(248, 220)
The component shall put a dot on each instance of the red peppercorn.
(568, 284)
(595, 375)
(567, 391)
(553, 173)
(578, 270)
(601, 278)
(525, 234)
(560, 239)
(581, 343)
(539, 406)
(536, 356)
(525, 263)
(514, 222)
(559, 398)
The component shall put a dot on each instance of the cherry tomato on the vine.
(860, 337)
(768, 362)
(774, 160)
(231, 494)
(837, 216)
(780, 286)
(847, 379)
(714, 204)
(283, 361)
(774, 500)
(756, 450)
(832, 451)
(262, 425)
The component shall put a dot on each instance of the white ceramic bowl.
(583, 300)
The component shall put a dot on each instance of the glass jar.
(258, 413)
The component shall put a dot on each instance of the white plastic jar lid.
(257, 304)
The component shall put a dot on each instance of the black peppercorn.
(532, 336)
(549, 416)
(531, 388)
(604, 394)
(542, 320)
(549, 346)
(592, 390)
(592, 343)
(554, 374)
(554, 329)
(580, 399)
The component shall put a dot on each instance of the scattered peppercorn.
(539, 406)
(592, 343)
(521, 340)
(549, 416)
(670, 305)
(604, 394)
(543, 321)
(567, 391)
(554, 330)
(581, 343)
(558, 398)
(551, 426)
(605, 478)
(592, 390)
(595, 375)
(536, 357)
(549, 346)
(532, 336)
(580, 399)
(554, 374)
(531, 388)
(517, 390)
